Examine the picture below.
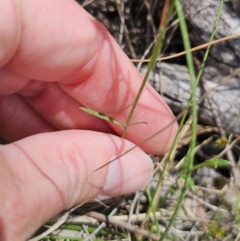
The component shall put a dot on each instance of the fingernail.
(128, 174)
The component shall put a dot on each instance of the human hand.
(54, 58)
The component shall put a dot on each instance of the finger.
(62, 111)
(10, 32)
(76, 51)
(53, 105)
(18, 119)
(52, 172)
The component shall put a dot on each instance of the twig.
(148, 5)
(136, 197)
(120, 9)
(56, 225)
(127, 226)
(206, 204)
(101, 226)
(238, 237)
(191, 50)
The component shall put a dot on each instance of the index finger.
(62, 43)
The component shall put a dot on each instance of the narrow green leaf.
(212, 163)
(101, 116)
(192, 184)
(221, 163)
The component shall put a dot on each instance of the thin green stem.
(210, 40)
(190, 155)
(155, 220)
(156, 50)
(189, 159)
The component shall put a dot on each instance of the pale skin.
(55, 57)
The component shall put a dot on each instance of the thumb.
(44, 174)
